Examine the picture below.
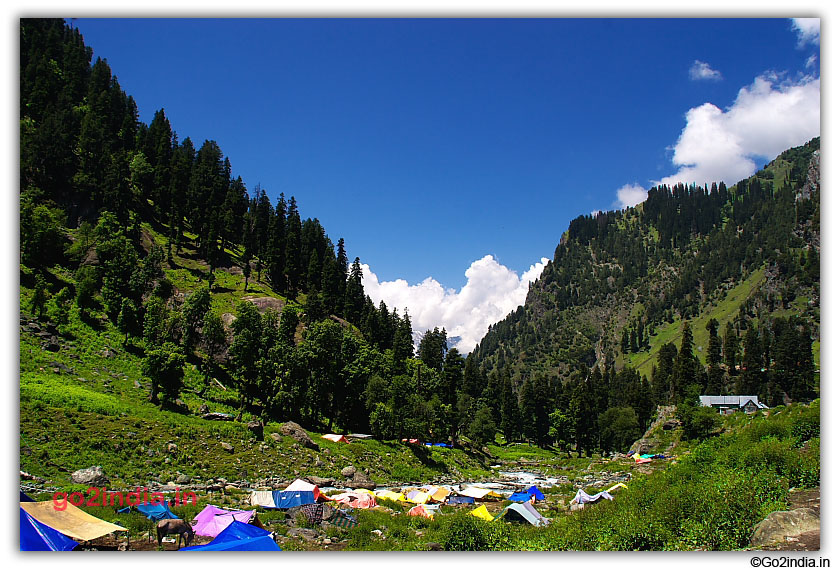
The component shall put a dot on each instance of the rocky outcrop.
(298, 434)
(93, 476)
(778, 526)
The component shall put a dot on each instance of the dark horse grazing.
(175, 526)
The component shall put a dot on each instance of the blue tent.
(156, 512)
(241, 537)
(38, 536)
(533, 490)
(289, 499)
(456, 500)
(520, 497)
(24, 498)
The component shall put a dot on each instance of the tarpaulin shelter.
(263, 499)
(212, 520)
(479, 493)
(72, 521)
(520, 497)
(422, 511)
(390, 495)
(582, 497)
(640, 459)
(156, 512)
(436, 493)
(36, 536)
(482, 513)
(534, 491)
(355, 500)
(301, 485)
(240, 536)
(336, 438)
(289, 499)
(523, 512)
(456, 500)
(417, 496)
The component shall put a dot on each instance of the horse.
(175, 526)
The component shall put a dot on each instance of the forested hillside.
(704, 290)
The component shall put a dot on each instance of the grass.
(724, 310)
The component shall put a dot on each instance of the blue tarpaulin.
(24, 498)
(455, 500)
(240, 536)
(35, 536)
(533, 490)
(520, 497)
(156, 512)
(289, 499)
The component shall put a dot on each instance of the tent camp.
(37, 536)
(482, 513)
(436, 493)
(301, 485)
(523, 512)
(72, 521)
(212, 520)
(336, 438)
(480, 493)
(582, 497)
(240, 536)
(355, 500)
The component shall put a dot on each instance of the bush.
(465, 533)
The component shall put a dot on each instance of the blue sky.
(436, 147)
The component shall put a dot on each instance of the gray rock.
(297, 433)
(304, 533)
(779, 525)
(275, 436)
(361, 481)
(320, 481)
(93, 476)
(171, 447)
(204, 409)
(348, 471)
(227, 447)
(183, 479)
(218, 416)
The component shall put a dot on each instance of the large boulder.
(297, 433)
(779, 525)
(256, 428)
(93, 476)
(320, 481)
(361, 481)
(348, 471)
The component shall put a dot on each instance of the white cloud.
(808, 30)
(629, 195)
(811, 62)
(702, 71)
(492, 291)
(767, 117)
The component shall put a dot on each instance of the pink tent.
(301, 485)
(355, 500)
(212, 520)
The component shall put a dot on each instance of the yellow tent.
(391, 495)
(482, 513)
(420, 497)
(72, 521)
(367, 491)
(441, 494)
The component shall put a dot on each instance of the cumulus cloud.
(629, 195)
(492, 291)
(767, 117)
(702, 71)
(807, 30)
